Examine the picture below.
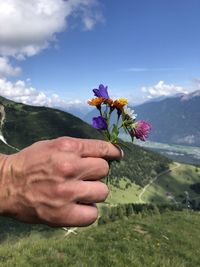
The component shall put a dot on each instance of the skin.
(56, 182)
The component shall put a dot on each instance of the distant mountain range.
(24, 125)
(175, 120)
(79, 111)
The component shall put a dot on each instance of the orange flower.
(96, 101)
(120, 103)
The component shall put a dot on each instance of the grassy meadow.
(177, 183)
(137, 241)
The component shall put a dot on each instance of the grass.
(135, 241)
(122, 194)
(177, 182)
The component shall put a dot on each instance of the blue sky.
(139, 48)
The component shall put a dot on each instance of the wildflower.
(141, 130)
(99, 123)
(96, 101)
(120, 103)
(129, 113)
(101, 92)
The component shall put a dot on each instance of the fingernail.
(121, 151)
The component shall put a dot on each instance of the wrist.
(5, 186)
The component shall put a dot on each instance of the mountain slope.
(170, 239)
(25, 125)
(174, 120)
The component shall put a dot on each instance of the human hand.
(56, 182)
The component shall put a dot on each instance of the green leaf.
(114, 134)
(132, 138)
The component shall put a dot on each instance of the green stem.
(100, 112)
(108, 121)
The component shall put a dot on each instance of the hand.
(56, 182)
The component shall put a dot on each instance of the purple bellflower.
(101, 92)
(99, 123)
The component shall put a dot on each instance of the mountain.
(160, 98)
(24, 125)
(175, 120)
(77, 110)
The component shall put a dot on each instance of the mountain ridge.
(174, 120)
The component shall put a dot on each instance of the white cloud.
(30, 26)
(23, 92)
(163, 89)
(6, 69)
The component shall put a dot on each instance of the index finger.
(91, 148)
(100, 149)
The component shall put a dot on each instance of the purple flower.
(99, 123)
(101, 92)
(141, 130)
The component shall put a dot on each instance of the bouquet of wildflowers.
(126, 118)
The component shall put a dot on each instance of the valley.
(185, 154)
(180, 153)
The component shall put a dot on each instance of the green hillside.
(26, 124)
(177, 183)
(167, 187)
(135, 241)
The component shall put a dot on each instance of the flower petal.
(101, 92)
(99, 123)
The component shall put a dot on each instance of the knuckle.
(44, 215)
(65, 191)
(59, 190)
(65, 144)
(68, 169)
(103, 148)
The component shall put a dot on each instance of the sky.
(54, 52)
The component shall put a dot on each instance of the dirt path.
(154, 179)
(2, 120)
